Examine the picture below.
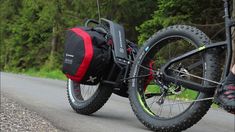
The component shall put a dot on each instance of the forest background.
(32, 31)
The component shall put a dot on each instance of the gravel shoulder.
(15, 117)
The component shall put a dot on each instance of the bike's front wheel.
(166, 106)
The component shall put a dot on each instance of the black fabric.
(73, 53)
(225, 97)
(230, 79)
(74, 45)
(100, 61)
(98, 65)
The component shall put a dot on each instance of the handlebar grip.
(91, 21)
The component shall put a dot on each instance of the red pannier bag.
(86, 55)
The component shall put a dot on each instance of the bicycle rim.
(80, 92)
(171, 103)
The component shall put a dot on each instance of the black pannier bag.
(86, 55)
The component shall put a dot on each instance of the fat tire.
(93, 104)
(198, 109)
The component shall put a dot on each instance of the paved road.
(48, 98)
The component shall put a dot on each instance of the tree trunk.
(233, 32)
(54, 40)
(50, 64)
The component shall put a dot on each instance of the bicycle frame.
(229, 23)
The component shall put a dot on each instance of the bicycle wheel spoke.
(154, 99)
(84, 92)
(160, 111)
(172, 105)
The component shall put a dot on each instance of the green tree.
(8, 11)
(197, 12)
(33, 31)
(130, 13)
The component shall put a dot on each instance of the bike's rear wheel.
(86, 99)
(173, 108)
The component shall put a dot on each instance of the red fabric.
(231, 87)
(231, 97)
(150, 77)
(81, 71)
(228, 92)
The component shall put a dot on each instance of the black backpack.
(86, 55)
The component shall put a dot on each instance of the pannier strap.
(87, 57)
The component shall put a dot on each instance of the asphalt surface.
(48, 98)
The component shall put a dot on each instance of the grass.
(44, 73)
(185, 95)
(54, 74)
